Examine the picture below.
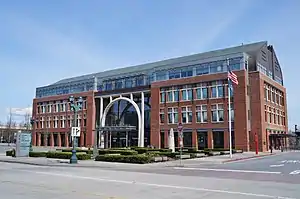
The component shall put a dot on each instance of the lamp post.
(32, 123)
(74, 107)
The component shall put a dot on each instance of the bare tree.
(10, 128)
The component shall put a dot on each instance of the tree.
(10, 128)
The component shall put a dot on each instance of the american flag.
(232, 76)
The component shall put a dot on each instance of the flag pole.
(229, 113)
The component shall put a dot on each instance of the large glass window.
(202, 69)
(173, 115)
(139, 81)
(108, 86)
(187, 72)
(128, 82)
(174, 74)
(118, 84)
(201, 113)
(161, 75)
(187, 114)
(217, 113)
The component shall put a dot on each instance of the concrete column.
(143, 118)
(100, 133)
(66, 140)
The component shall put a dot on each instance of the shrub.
(136, 159)
(10, 153)
(78, 150)
(67, 155)
(37, 154)
(169, 154)
(121, 152)
(142, 150)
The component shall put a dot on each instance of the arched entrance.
(140, 131)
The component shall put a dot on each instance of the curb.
(247, 158)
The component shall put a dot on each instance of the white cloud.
(19, 111)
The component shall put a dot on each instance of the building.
(190, 89)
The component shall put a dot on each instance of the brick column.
(155, 105)
(194, 139)
(45, 140)
(66, 139)
(226, 139)
(210, 139)
(33, 137)
(58, 140)
(51, 140)
(166, 134)
(38, 139)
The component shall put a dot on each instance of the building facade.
(154, 98)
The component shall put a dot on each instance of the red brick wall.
(239, 108)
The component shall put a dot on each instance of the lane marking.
(277, 165)
(295, 172)
(161, 185)
(227, 170)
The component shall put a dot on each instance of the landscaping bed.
(135, 155)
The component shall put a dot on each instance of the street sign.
(180, 128)
(23, 140)
(75, 132)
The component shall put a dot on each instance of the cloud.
(19, 111)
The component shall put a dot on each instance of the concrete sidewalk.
(211, 160)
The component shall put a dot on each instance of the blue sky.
(45, 41)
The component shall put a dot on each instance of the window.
(188, 72)
(174, 74)
(49, 108)
(118, 84)
(187, 114)
(231, 112)
(201, 91)
(162, 96)
(48, 122)
(139, 81)
(172, 115)
(217, 89)
(202, 69)
(217, 113)
(187, 94)
(55, 122)
(201, 114)
(173, 95)
(128, 82)
(162, 116)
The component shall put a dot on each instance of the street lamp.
(74, 107)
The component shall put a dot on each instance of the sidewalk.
(211, 160)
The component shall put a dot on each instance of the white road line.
(227, 170)
(160, 185)
(295, 172)
(277, 165)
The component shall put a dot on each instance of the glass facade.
(144, 79)
(123, 113)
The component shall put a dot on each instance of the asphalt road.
(34, 182)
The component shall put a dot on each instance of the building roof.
(248, 48)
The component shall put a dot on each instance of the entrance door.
(202, 140)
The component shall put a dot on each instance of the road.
(219, 181)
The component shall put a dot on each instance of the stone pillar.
(66, 140)
(51, 140)
(38, 139)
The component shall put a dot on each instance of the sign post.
(23, 140)
(180, 128)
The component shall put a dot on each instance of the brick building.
(155, 97)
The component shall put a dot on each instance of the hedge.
(37, 154)
(11, 153)
(114, 151)
(78, 150)
(67, 155)
(141, 150)
(136, 159)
